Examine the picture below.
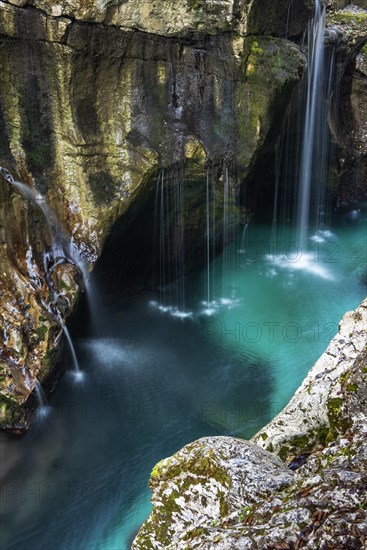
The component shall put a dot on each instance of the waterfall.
(225, 229)
(77, 372)
(211, 230)
(98, 318)
(44, 407)
(274, 229)
(162, 251)
(62, 247)
(179, 236)
(315, 143)
(170, 240)
(208, 235)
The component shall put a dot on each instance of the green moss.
(195, 4)
(344, 377)
(42, 332)
(247, 511)
(352, 387)
(346, 17)
(200, 464)
(346, 452)
(11, 413)
(284, 452)
(156, 472)
(63, 285)
(103, 187)
(194, 533)
(334, 406)
(256, 49)
(338, 424)
(322, 435)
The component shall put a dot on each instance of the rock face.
(226, 493)
(347, 33)
(169, 18)
(203, 483)
(310, 416)
(159, 17)
(351, 130)
(89, 114)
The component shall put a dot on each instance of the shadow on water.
(153, 385)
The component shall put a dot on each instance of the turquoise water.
(164, 377)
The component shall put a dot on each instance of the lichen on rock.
(311, 416)
(207, 481)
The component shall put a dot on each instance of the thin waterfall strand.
(208, 236)
(314, 81)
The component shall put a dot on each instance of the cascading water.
(302, 196)
(169, 240)
(208, 236)
(44, 407)
(62, 245)
(225, 227)
(211, 236)
(77, 371)
(315, 142)
(63, 249)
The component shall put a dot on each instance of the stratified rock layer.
(230, 494)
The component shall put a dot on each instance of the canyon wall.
(95, 99)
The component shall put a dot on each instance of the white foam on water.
(173, 311)
(322, 236)
(77, 376)
(306, 263)
(213, 307)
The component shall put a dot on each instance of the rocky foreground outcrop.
(226, 493)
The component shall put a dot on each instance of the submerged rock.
(223, 493)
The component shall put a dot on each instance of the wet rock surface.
(89, 114)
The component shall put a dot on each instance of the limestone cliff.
(91, 108)
(347, 33)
